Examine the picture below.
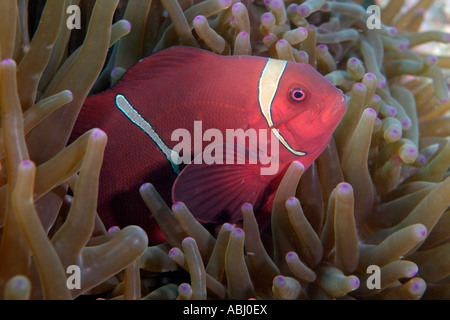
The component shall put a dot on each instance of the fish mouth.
(334, 114)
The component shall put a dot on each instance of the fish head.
(305, 109)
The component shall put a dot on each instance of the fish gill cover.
(368, 220)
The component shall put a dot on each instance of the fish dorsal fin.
(161, 63)
(215, 193)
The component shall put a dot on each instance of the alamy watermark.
(237, 147)
(374, 280)
(374, 19)
(74, 280)
(74, 20)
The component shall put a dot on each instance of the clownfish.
(168, 119)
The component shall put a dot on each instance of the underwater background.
(378, 195)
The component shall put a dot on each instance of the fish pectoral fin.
(215, 193)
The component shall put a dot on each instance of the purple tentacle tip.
(370, 76)
(8, 61)
(412, 152)
(20, 283)
(302, 30)
(406, 123)
(417, 285)
(128, 24)
(238, 6)
(279, 281)
(378, 121)
(291, 255)
(227, 227)
(239, 232)
(114, 229)
(303, 10)
(413, 271)
(243, 34)
(422, 232)
(392, 111)
(393, 31)
(98, 134)
(360, 86)
(322, 47)
(267, 18)
(292, 8)
(27, 164)
(370, 112)
(177, 205)
(304, 55)
(227, 3)
(353, 61)
(433, 59)
(282, 42)
(269, 36)
(276, 4)
(421, 160)
(404, 44)
(199, 19)
(184, 289)
(144, 186)
(355, 282)
(344, 187)
(291, 200)
(173, 252)
(395, 132)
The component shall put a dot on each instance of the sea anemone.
(368, 220)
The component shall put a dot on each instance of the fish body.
(183, 90)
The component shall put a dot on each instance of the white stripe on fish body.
(132, 114)
(268, 85)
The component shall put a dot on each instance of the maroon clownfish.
(182, 103)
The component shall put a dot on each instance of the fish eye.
(297, 95)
